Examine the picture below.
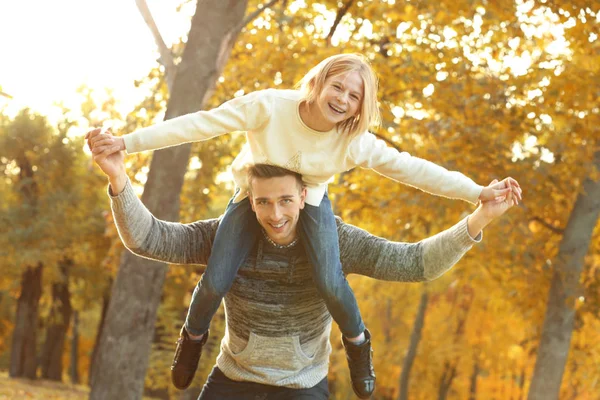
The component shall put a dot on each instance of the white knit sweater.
(277, 135)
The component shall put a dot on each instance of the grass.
(39, 389)
(21, 389)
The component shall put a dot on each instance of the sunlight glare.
(428, 90)
(99, 44)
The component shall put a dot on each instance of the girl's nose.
(342, 98)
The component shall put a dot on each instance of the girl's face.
(340, 99)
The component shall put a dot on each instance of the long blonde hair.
(313, 82)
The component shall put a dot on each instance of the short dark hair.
(266, 171)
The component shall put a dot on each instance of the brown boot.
(185, 362)
(360, 362)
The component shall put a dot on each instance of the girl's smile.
(339, 100)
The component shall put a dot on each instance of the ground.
(39, 389)
(26, 389)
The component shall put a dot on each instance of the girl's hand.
(490, 210)
(499, 190)
(102, 142)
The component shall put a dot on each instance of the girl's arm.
(149, 237)
(369, 152)
(244, 113)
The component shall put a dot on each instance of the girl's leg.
(235, 237)
(318, 231)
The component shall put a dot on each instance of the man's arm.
(147, 236)
(369, 255)
(144, 234)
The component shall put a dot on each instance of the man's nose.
(276, 213)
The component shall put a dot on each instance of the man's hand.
(110, 160)
(100, 142)
(498, 190)
(490, 210)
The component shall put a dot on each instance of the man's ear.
(302, 197)
(250, 200)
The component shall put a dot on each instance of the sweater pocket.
(275, 360)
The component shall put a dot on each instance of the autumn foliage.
(490, 89)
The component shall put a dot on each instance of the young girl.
(318, 131)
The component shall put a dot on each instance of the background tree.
(488, 89)
(123, 352)
(50, 185)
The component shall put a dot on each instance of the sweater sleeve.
(369, 152)
(245, 113)
(149, 237)
(365, 254)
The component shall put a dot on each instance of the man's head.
(277, 196)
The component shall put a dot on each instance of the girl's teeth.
(336, 109)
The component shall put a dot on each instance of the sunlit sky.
(49, 48)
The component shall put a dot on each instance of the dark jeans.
(235, 238)
(220, 387)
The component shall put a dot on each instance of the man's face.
(277, 203)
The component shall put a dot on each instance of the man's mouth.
(278, 227)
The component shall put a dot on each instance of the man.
(276, 345)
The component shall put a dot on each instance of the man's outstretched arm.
(146, 235)
(369, 255)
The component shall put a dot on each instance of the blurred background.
(490, 89)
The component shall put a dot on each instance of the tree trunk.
(564, 290)
(57, 327)
(105, 301)
(447, 379)
(415, 338)
(23, 362)
(522, 378)
(125, 342)
(473, 381)
(73, 370)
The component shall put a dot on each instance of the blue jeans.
(319, 235)
(236, 236)
(220, 387)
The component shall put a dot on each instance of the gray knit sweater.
(277, 325)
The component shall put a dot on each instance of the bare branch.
(340, 14)
(166, 57)
(558, 231)
(253, 15)
(388, 141)
(5, 95)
